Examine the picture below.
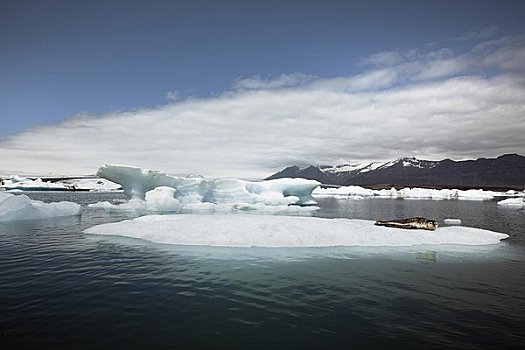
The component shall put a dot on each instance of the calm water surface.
(63, 289)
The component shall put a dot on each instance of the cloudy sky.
(245, 88)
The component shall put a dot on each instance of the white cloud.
(280, 81)
(427, 104)
(173, 95)
(439, 68)
(385, 58)
(483, 33)
(368, 80)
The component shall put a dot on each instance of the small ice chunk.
(133, 204)
(513, 203)
(162, 199)
(453, 222)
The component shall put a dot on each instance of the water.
(63, 289)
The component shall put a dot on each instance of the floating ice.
(452, 222)
(162, 199)
(136, 182)
(284, 231)
(91, 184)
(479, 195)
(21, 207)
(18, 183)
(513, 203)
(409, 193)
(134, 204)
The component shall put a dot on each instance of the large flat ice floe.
(285, 231)
(156, 191)
(21, 207)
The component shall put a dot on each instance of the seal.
(409, 223)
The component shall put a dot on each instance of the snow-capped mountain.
(507, 170)
(367, 167)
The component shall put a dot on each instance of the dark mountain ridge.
(506, 171)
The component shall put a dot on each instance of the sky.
(245, 88)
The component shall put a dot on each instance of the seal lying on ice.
(410, 223)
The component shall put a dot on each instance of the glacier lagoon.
(62, 288)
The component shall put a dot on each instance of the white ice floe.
(452, 222)
(513, 203)
(479, 195)
(136, 182)
(18, 183)
(21, 207)
(134, 204)
(91, 184)
(285, 231)
(409, 193)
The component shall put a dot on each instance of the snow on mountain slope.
(370, 166)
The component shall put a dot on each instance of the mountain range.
(506, 171)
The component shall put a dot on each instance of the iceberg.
(513, 203)
(244, 230)
(21, 207)
(162, 192)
